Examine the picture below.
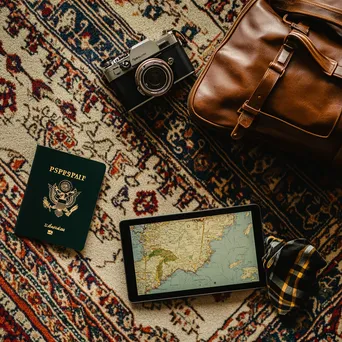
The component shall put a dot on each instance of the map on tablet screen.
(194, 253)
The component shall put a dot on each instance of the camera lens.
(154, 77)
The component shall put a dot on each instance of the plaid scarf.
(291, 269)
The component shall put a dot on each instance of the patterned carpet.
(158, 161)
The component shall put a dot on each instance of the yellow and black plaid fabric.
(291, 269)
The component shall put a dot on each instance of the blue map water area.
(233, 246)
(137, 246)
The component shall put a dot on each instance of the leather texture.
(278, 72)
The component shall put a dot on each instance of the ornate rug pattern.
(158, 161)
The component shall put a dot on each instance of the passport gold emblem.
(63, 197)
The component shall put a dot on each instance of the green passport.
(60, 198)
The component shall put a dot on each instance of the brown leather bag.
(278, 72)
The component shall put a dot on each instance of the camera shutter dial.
(154, 77)
(125, 65)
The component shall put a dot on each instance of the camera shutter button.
(125, 65)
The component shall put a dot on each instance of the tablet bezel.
(129, 260)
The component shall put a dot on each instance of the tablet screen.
(194, 253)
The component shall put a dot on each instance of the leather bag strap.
(314, 9)
(329, 65)
(251, 108)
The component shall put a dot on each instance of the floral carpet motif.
(158, 161)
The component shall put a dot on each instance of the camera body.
(147, 70)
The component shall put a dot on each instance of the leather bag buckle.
(277, 67)
(296, 26)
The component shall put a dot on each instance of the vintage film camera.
(148, 69)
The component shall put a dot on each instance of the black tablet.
(193, 253)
